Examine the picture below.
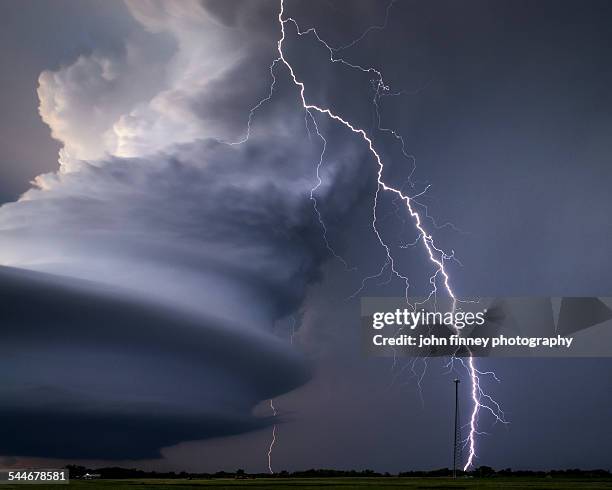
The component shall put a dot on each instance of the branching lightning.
(479, 398)
(436, 255)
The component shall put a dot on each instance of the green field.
(332, 483)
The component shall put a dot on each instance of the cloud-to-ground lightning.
(273, 441)
(437, 256)
(273, 407)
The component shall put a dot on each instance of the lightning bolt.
(255, 108)
(273, 408)
(273, 441)
(437, 257)
(480, 400)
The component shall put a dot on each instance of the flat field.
(391, 483)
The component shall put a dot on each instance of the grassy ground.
(390, 483)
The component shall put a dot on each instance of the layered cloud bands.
(145, 275)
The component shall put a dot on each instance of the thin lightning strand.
(273, 408)
(369, 29)
(273, 441)
(318, 184)
(254, 109)
(436, 256)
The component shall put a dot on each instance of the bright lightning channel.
(480, 400)
(436, 256)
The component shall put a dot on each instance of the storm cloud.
(153, 219)
(92, 371)
(190, 247)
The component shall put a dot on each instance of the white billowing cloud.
(143, 100)
(147, 196)
(81, 102)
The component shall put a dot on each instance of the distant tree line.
(116, 473)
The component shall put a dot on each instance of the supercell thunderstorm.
(152, 189)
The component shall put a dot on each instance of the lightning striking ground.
(437, 256)
(273, 441)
